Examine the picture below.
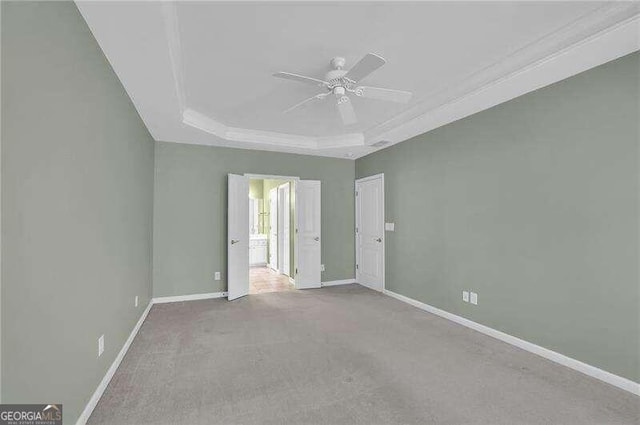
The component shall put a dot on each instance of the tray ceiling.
(201, 72)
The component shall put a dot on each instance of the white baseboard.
(178, 298)
(602, 375)
(93, 401)
(338, 282)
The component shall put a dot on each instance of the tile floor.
(264, 280)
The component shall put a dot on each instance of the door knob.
(379, 240)
(234, 241)
(317, 238)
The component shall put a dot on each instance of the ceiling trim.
(172, 30)
(607, 44)
(204, 123)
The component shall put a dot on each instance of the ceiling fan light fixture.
(340, 81)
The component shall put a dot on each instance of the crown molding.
(172, 30)
(207, 124)
(603, 35)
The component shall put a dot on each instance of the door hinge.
(356, 193)
(356, 230)
(296, 270)
(357, 266)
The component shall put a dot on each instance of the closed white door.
(370, 232)
(237, 236)
(273, 228)
(284, 230)
(309, 243)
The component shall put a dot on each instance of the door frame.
(294, 180)
(282, 240)
(274, 216)
(269, 177)
(384, 218)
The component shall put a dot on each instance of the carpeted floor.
(340, 355)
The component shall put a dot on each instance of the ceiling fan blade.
(300, 78)
(389, 95)
(345, 107)
(316, 97)
(366, 66)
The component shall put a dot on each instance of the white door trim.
(270, 177)
(274, 217)
(372, 177)
(284, 239)
(384, 237)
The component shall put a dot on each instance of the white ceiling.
(201, 72)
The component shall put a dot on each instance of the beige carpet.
(340, 355)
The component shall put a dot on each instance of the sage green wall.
(532, 204)
(77, 188)
(190, 208)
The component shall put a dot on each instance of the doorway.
(370, 227)
(270, 242)
(249, 221)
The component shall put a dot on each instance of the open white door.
(308, 227)
(238, 237)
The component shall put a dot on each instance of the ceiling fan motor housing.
(335, 77)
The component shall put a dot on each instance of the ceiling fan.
(340, 82)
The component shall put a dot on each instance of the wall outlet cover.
(100, 345)
(135, 301)
(465, 296)
(474, 298)
(216, 276)
(390, 227)
(321, 267)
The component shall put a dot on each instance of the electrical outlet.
(216, 276)
(100, 345)
(465, 296)
(135, 301)
(390, 227)
(474, 298)
(321, 267)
